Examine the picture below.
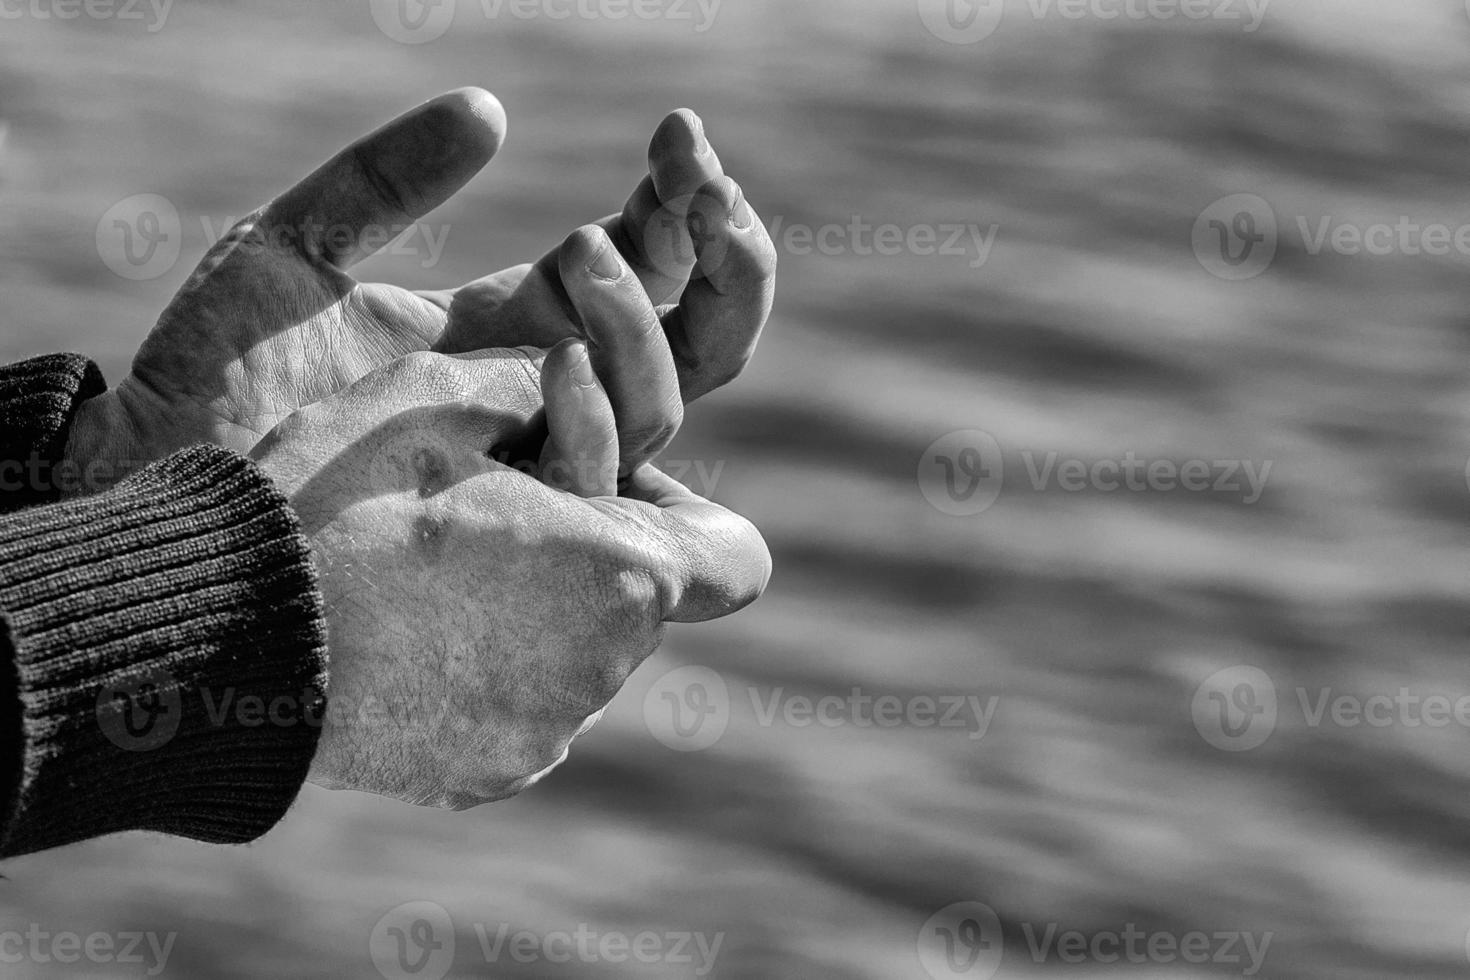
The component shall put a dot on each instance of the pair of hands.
(456, 457)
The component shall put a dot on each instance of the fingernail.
(605, 264)
(740, 215)
(581, 372)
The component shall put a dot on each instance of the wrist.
(99, 445)
(114, 436)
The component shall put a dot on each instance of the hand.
(271, 321)
(480, 620)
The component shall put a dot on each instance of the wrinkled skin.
(271, 321)
(481, 620)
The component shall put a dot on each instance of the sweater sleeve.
(162, 649)
(38, 401)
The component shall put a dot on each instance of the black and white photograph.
(734, 489)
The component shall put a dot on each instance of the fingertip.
(680, 133)
(723, 199)
(722, 190)
(589, 251)
(749, 548)
(469, 117)
(733, 571)
(560, 369)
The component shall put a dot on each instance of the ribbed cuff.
(38, 401)
(170, 657)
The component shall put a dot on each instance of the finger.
(714, 330)
(718, 561)
(651, 232)
(581, 454)
(627, 343)
(492, 312)
(351, 206)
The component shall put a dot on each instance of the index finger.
(355, 203)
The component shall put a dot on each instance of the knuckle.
(391, 191)
(648, 327)
(629, 596)
(632, 585)
(653, 433)
(247, 233)
(633, 597)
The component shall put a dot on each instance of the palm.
(272, 321)
(255, 335)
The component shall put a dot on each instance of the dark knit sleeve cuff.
(170, 657)
(38, 402)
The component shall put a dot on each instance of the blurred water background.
(1092, 801)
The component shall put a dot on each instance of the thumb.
(718, 563)
(581, 454)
